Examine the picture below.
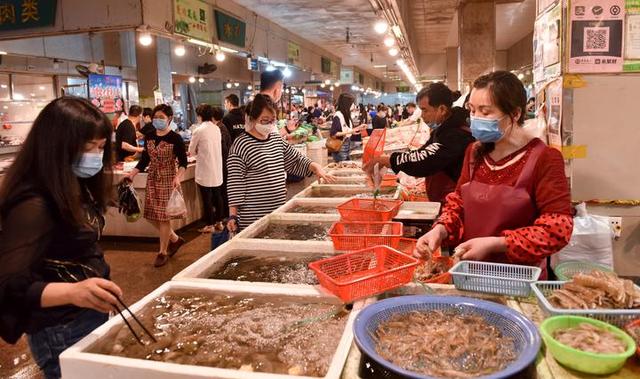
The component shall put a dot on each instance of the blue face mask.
(88, 165)
(486, 130)
(160, 123)
(433, 125)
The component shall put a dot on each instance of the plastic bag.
(591, 240)
(176, 207)
(128, 201)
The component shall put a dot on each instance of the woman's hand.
(479, 249)
(431, 241)
(95, 293)
(321, 174)
(177, 180)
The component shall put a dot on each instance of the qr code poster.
(597, 35)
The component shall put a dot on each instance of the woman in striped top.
(257, 161)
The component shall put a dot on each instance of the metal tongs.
(135, 318)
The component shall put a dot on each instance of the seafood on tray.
(591, 339)
(596, 290)
(259, 334)
(422, 342)
(345, 164)
(428, 270)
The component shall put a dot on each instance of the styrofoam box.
(76, 363)
(287, 218)
(200, 270)
(310, 202)
(349, 191)
(358, 180)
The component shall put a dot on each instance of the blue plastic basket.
(510, 323)
(497, 278)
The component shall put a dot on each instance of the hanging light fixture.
(192, 79)
(220, 56)
(236, 84)
(286, 72)
(322, 85)
(327, 82)
(389, 41)
(332, 88)
(145, 39)
(381, 27)
(249, 87)
(393, 51)
(228, 85)
(200, 80)
(179, 50)
(337, 84)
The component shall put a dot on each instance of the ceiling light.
(286, 72)
(145, 39)
(179, 50)
(327, 82)
(228, 50)
(200, 80)
(389, 41)
(332, 88)
(18, 96)
(354, 88)
(393, 51)
(520, 76)
(381, 27)
(407, 72)
(220, 56)
(249, 87)
(236, 84)
(3, 86)
(192, 79)
(379, 66)
(337, 84)
(270, 68)
(229, 85)
(304, 90)
(3, 53)
(5, 107)
(173, 72)
(32, 94)
(199, 43)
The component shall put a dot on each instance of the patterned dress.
(159, 158)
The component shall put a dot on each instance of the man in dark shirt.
(146, 126)
(126, 139)
(234, 120)
(380, 120)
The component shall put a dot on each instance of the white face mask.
(264, 129)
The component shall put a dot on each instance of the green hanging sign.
(192, 18)
(230, 29)
(26, 14)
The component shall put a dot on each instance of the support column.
(452, 68)
(154, 70)
(477, 35)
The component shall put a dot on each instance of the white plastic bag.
(591, 240)
(176, 207)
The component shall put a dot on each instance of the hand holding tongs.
(135, 318)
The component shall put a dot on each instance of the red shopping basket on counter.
(369, 209)
(375, 145)
(408, 246)
(350, 236)
(364, 273)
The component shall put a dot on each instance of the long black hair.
(508, 94)
(260, 102)
(345, 100)
(56, 141)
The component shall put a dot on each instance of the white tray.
(76, 363)
(310, 201)
(200, 270)
(254, 229)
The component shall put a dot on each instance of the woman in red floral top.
(512, 201)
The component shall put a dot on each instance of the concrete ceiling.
(325, 23)
(431, 22)
(513, 22)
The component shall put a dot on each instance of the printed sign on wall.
(597, 28)
(105, 92)
(25, 14)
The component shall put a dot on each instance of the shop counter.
(117, 224)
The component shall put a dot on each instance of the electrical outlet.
(616, 225)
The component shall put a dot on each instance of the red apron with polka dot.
(161, 172)
(490, 209)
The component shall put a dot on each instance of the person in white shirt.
(206, 147)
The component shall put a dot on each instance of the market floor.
(131, 262)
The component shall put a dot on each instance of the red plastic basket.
(350, 236)
(369, 209)
(375, 145)
(364, 273)
(633, 325)
(408, 246)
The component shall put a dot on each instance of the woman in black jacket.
(54, 281)
(440, 159)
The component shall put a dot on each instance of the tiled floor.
(131, 262)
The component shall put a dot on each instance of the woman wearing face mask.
(54, 281)
(342, 126)
(162, 148)
(439, 161)
(256, 162)
(512, 202)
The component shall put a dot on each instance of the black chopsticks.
(135, 318)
